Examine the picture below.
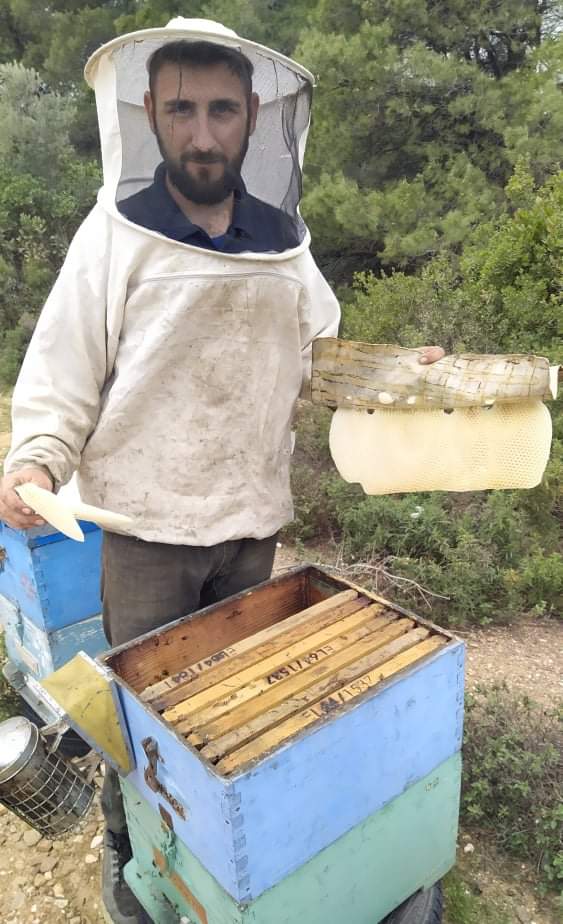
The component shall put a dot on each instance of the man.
(168, 360)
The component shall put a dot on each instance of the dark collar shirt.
(255, 226)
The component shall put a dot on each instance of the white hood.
(272, 168)
(165, 373)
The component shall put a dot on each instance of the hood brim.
(173, 33)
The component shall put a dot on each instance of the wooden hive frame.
(240, 702)
(349, 373)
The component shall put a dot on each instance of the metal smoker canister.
(39, 786)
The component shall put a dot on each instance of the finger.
(431, 354)
(16, 514)
(17, 521)
(14, 503)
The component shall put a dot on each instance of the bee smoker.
(38, 784)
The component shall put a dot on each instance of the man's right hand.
(12, 509)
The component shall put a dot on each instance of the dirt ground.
(43, 881)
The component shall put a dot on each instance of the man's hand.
(430, 354)
(12, 509)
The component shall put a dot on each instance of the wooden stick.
(218, 665)
(309, 649)
(276, 736)
(349, 373)
(230, 715)
(223, 745)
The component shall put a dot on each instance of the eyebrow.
(223, 101)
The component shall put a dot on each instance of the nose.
(202, 137)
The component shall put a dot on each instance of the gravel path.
(43, 881)
(528, 655)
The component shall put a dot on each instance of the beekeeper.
(167, 362)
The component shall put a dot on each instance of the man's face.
(202, 120)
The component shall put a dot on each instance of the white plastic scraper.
(63, 514)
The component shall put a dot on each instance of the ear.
(149, 109)
(254, 105)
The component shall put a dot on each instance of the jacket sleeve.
(56, 400)
(319, 317)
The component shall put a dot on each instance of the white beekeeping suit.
(167, 374)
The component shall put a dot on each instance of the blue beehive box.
(253, 824)
(50, 596)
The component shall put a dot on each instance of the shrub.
(513, 780)
(542, 582)
(471, 558)
(9, 700)
(311, 462)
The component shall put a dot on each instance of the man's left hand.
(430, 354)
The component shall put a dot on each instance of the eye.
(223, 107)
(179, 107)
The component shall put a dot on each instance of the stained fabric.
(167, 374)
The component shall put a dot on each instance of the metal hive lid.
(18, 740)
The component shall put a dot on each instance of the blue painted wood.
(53, 580)
(211, 826)
(39, 653)
(316, 787)
(86, 635)
(25, 644)
(44, 535)
(367, 756)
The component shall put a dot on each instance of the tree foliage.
(45, 190)
(416, 131)
(434, 193)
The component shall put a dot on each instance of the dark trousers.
(147, 584)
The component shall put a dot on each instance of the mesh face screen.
(272, 167)
(467, 449)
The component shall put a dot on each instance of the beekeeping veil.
(272, 168)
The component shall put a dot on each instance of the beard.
(200, 188)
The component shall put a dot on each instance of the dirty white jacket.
(167, 375)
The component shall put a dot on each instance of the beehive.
(270, 727)
(49, 596)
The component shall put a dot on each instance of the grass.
(8, 699)
(462, 906)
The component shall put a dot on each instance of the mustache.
(204, 157)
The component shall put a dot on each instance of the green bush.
(45, 191)
(542, 582)
(502, 294)
(311, 462)
(9, 700)
(473, 558)
(512, 777)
